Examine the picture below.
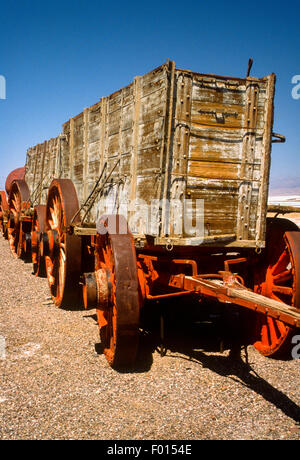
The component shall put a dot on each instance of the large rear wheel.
(279, 279)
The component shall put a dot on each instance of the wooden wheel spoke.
(16, 205)
(55, 219)
(283, 290)
(281, 327)
(265, 339)
(51, 224)
(281, 264)
(275, 297)
(50, 273)
(62, 254)
(272, 331)
(283, 276)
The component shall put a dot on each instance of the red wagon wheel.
(3, 213)
(18, 227)
(38, 228)
(279, 280)
(118, 299)
(61, 249)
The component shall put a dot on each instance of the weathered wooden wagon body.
(171, 135)
(152, 193)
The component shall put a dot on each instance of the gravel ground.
(56, 384)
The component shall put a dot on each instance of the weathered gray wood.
(177, 135)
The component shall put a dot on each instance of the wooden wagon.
(157, 191)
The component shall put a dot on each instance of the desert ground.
(289, 200)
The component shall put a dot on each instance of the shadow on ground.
(177, 330)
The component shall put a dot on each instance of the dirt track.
(56, 384)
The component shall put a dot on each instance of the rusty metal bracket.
(250, 63)
(278, 138)
(190, 262)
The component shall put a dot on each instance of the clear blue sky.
(59, 57)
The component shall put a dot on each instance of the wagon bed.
(171, 135)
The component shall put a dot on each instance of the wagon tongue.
(235, 293)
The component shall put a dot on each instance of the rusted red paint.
(18, 173)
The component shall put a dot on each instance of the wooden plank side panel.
(152, 142)
(209, 144)
(41, 168)
(135, 138)
(220, 204)
(117, 132)
(226, 147)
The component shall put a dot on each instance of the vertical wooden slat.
(135, 137)
(265, 162)
(71, 162)
(120, 137)
(102, 133)
(170, 119)
(85, 152)
(42, 173)
(35, 166)
(247, 161)
(162, 168)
